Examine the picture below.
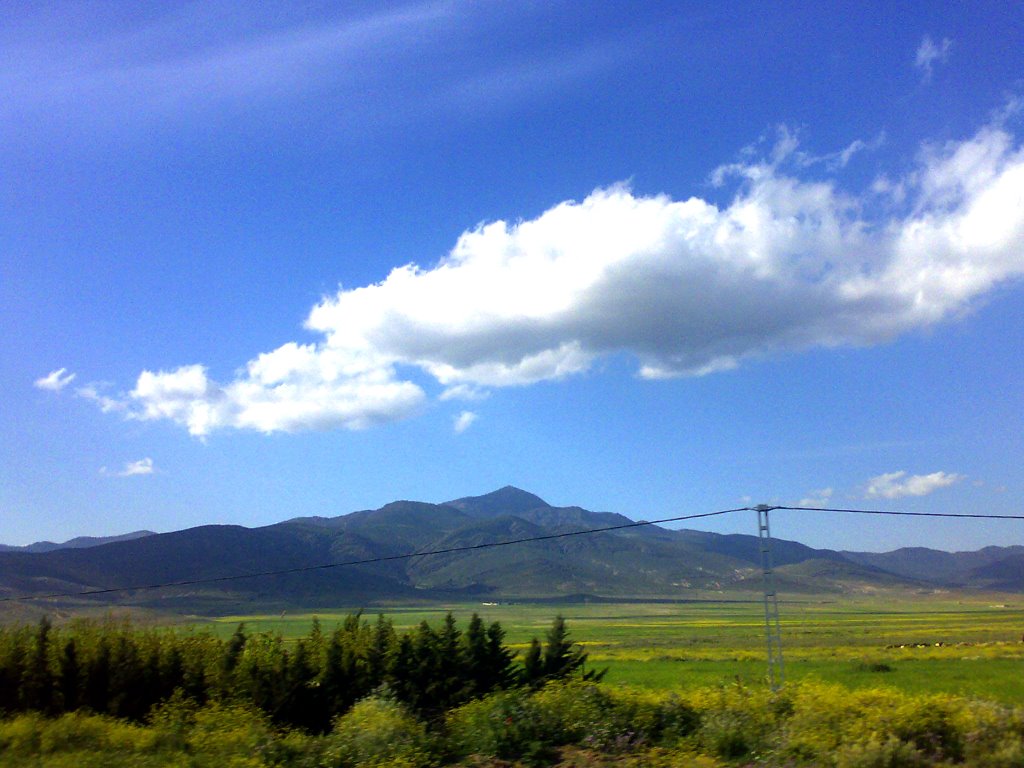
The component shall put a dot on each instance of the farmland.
(920, 644)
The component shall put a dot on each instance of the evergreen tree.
(500, 669)
(562, 657)
(12, 654)
(171, 672)
(97, 678)
(336, 679)
(234, 649)
(301, 705)
(379, 651)
(402, 670)
(477, 659)
(70, 677)
(37, 682)
(533, 665)
(451, 675)
(128, 694)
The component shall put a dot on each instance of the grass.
(929, 644)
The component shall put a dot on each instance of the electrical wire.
(972, 515)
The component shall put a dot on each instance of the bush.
(877, 751)
(737, 721)
(378, 731)
(504, 725)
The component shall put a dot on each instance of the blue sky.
(651, 258)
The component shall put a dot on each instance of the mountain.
(80, 542)
(988, 566)
(471, 557)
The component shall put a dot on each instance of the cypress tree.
(477, 659)
(12, 654)
(500, 670)
(37, 683)
(300, 705)
(70, 677)
(336, 680)
(562, 657)
(97, 678)
(533, 666)
(379, 651)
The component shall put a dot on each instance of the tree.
(533, 665)
(560, 658)
(37, 683)
(70, 677)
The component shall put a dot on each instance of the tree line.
(124, 670)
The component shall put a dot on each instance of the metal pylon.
(772, 631)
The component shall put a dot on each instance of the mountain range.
(646, 561)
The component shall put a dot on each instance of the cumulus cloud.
(685, 287)
(132, 469)
(928, 53)
(463, 421)
(896, 485)
(55, 381)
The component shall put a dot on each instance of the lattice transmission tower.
(772, 630)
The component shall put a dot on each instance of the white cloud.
(132, 468)
(463, 421)
(818, 498)
(55, 381)
(684, 287)
(293, 388)
(464, 392)
(896, 485)
(106, 403)
(930, 52)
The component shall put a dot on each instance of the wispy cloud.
(132, 469)
(929, 53)
(106, 403)
(199, 65)
(818, 498)
(463, 421)
(55, 381)
(157, 65)
(464, 392)
(685, 287)
(896, 485)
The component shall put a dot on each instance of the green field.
(971, 646)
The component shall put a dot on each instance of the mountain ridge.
(638, 562)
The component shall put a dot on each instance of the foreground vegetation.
(569, 724)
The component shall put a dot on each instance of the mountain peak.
(504, 501)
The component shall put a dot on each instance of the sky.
(650, 258)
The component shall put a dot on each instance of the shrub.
(378, 731)
(504, 725)
(737, 721)
(877, 751)
(233, 734)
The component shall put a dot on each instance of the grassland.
(924, 644)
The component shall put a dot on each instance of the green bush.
(378, 731)
(505, 725)
(877, 751)
(739, 721)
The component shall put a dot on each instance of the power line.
(368, 561)
(974, 515)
